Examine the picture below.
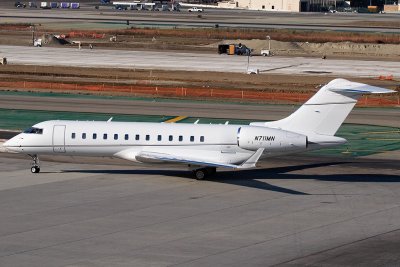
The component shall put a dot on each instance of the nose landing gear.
(35, 165)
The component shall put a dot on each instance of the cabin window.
(201, 138)
(170, 138)
(84, 136)
(180, 138)
(137, 137)
(147, 137)
(159, 138)
(126, 136)
(73, 135)
(192, 138)
(94, 136)
(105, 136)
(263, 7)
(33, 130)
(115, 136)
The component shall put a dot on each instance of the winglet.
(251, 162)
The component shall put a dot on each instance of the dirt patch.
(284, 42)
(343, 49)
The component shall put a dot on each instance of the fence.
(208, 93)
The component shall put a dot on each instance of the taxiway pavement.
(257, 112)
(295, 211)
(196, 62)
(107, 17)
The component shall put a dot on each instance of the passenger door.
(59, 138)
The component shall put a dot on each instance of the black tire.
(200, 174)
(35, 169)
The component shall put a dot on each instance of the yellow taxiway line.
(179, 118)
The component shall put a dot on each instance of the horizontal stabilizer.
(345, 86)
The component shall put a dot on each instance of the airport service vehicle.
(202, 147)
(37, 42)
(64, 5)
(266, 53)
(45, 5)
(32, 5)
(19, 5)
(53, 4)
(195, 9)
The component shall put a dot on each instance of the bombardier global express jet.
(201, 147)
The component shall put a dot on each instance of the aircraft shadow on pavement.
(254, 178)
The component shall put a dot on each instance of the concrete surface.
(295, 211)
(106, 17)
(196, 62)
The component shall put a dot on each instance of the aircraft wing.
(173, 158)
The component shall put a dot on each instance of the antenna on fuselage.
(196, 122)
(110, 119)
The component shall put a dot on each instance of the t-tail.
(322, 115)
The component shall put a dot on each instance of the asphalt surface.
(291, 211)
(257, 112)
(196, 62)
(295, 211)
(224, 18)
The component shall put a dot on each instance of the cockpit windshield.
(34, 130)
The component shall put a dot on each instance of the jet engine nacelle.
(253, 138)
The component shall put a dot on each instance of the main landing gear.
(35, 165)
(202, 173)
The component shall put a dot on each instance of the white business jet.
(201, 147)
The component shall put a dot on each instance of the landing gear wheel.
(35, 165)
(35, 169)
(200, 174)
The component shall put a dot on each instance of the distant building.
(284, 5)
(270, 5)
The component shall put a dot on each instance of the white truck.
(266, 52)
(195, 9)
(45, 5)
(37, 43)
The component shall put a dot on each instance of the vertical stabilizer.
(325, 112)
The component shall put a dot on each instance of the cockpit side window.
(34, 130)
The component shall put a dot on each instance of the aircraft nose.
(11, 144)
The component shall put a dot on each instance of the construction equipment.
(234, 49)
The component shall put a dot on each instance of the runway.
(295, 211)
(196, 62)
(197, 109)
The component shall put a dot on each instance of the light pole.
(33, 34)
(269, 43)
